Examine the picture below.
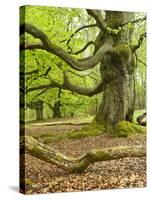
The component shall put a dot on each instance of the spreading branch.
(32, 46)
(40, 93)
(79, 164)
(121, 26)
(133, 21)
(58, 51)
(79, 29)
(53, 84)
(140, 41)
(97, 15)
(29, 72)
(84, 48)
(139, 60)
(83, 76)
(59, 65)
(67, 85)
(100, 87)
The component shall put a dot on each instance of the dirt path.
(57, 126)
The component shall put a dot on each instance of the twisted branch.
(97, 15)
(67, 85)
(84, 48)
(140, 41)
(79, 29)
(58, 51)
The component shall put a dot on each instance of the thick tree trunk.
(118, 98)
(47, 154)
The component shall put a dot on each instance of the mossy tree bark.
(79, 164)
(118, 98)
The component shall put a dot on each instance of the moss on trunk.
(125, 128)
(118, 98)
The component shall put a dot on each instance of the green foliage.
(60, 24)
(52, 21)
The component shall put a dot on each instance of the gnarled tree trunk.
(118, 98)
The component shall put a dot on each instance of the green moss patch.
(122, 129)
(125, 128)
(84, 133)
(89, 131)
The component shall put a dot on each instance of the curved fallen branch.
(79, 164)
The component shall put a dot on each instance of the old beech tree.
(115, 55)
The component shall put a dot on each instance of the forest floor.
(123, 173)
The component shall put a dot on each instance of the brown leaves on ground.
(122, 173)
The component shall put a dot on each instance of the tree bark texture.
(118, 98)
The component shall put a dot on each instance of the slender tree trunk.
(57, 106)
(56, 109)
(39, 114)
(39, 110)
(38, 107)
